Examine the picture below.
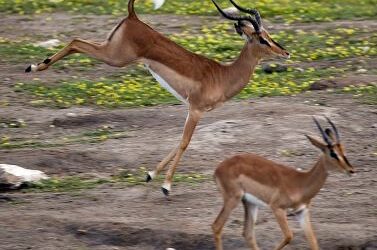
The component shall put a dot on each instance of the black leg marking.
(47, 61)
(28, 69)
(165, 191)
(149, 178)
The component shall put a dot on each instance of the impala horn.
(239, 18)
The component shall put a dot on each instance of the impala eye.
(334, 155)
(263, 41)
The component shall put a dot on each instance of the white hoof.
(34, 68)
(152, 174)
(166, 189)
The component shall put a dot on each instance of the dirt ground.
(110, 217)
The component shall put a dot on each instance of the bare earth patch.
(134, 218)
(111, 217)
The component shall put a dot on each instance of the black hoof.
(28, 69)
(165, 191)
(148, 179)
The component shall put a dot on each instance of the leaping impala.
(201, 83)
(257, 181)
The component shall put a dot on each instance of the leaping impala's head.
(250, 27)
(332, 148)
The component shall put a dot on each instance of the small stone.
(49, 43)
(362, 71)
(71, 114)
(82, 231)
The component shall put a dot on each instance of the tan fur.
(279, 186)
(204, 83)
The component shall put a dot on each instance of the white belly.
(165, 85)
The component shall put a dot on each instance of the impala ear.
(238, 28)
(322, 146)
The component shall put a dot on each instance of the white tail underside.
(158, 3)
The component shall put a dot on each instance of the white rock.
(362, 71)
(15, 175)
(71, 114)
(49, 43)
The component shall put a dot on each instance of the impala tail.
(131, 10)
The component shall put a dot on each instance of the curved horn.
(324, 135)
(334, 128)
(236, 18)
(249, 11)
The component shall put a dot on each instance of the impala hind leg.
(95, 50)
(251, 212)
(281, 217)
(217, 227)
(191, 122)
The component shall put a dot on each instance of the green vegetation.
(368, 94)
(220, 42)
(12, 123)
(138, 88)
(289, 11)
(95, 136)
(143, 91)
(75, 183)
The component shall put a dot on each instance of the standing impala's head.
(332, 148)
(250, 28)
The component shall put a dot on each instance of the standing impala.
(257, 181)
(201, 83)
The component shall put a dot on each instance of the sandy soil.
(114, 217)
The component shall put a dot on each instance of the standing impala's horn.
(249, 11)
(239, 18)
(337, 137)
(324, 135)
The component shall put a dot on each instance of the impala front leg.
(304, 219)
(161, 165)
(191, 122)
(92, 49)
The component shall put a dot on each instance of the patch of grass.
(367, 93)
(144, 91)
(74, 183)
(66, 184)
(12, 123)
(221, 43)
(289, 11)
(138, 88)
(96, 136)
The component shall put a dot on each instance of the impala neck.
(314, 179)
(242, 69)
